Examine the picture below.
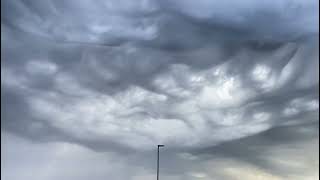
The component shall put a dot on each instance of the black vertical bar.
(158, 165)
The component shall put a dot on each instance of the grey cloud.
(269, 21)
(281, 153)
(206, 78)
(130, 89)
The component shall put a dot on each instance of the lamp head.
(160, 145)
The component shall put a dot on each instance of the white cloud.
(299, 105)
(198, 175)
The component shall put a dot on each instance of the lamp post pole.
(158, 161)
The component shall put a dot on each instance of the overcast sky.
(89, 88)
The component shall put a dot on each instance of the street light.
(158, 162)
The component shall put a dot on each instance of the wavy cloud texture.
(122, 76)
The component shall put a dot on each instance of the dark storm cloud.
(120, 76)
(181, 66)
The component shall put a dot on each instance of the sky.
(90, 88)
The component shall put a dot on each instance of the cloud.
(281, 153)
(137, 95)
(120, 77)
(254, 20)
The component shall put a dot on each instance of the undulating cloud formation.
(88, 89)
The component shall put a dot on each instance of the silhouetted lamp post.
(158, 161)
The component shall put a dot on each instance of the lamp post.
(158, 161)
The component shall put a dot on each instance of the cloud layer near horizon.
(118, 76)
